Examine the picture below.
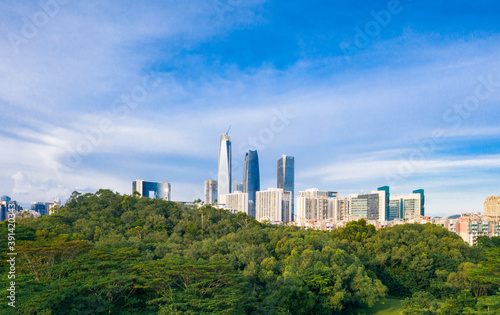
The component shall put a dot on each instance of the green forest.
(106, 253)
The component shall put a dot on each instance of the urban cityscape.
(311, 209)
(254, 157)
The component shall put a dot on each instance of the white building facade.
(237, 201)
(314, 204)
(273, 205)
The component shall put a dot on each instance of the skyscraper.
(224, 180)
(210, 191)
(5, 198)
(153, 190)
(286, 178)
(3, 211)
(40, 207)
(251, 180)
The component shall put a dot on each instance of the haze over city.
(362, 94)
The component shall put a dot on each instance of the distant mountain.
(456, 216)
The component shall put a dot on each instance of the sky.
(96, 94)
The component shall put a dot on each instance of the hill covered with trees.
(120, 254)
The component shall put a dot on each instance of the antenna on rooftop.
(227, 133)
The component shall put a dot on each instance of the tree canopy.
(111, 253)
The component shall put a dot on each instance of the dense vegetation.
(108, 253)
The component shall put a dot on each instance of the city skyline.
(362, 95)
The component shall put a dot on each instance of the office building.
(286, 178)
(161, 190)
(314, 204)
(211, 191)
(251, 180)
(5, 198)
(225, 177)
(40, 207)
(237, 201)
(421, 192)
(273, 205)
(492, 206)
(387, 194)
(237, 186)
(413, 207)
(395, 209)
(373, 206)
(409, 207)
(3, 211)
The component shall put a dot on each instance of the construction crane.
(227, 133)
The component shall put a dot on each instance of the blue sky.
(362, 93)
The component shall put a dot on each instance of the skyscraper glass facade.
(251, 180)
(3, 211)
(40, 207)
(224, 178)
(5, 198)
(395, 209)
(286, 178)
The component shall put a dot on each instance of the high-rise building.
(251, 180)
(237, 186)
(3, 211)
(224, 178)
(314, 204)
(40, 207)
(341, 212)
(395, 208)
(237, 201)
(286, 178)
(210, 191)
(421, 192)
(386, 189)
(492, 206)
(372, 206)
(161, 190)
(409, 207)
(5, 198)
(273, 205)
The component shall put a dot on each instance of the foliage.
(108, 253)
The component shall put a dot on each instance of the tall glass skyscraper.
(224, 180)
(286, 178)
(251, 179)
